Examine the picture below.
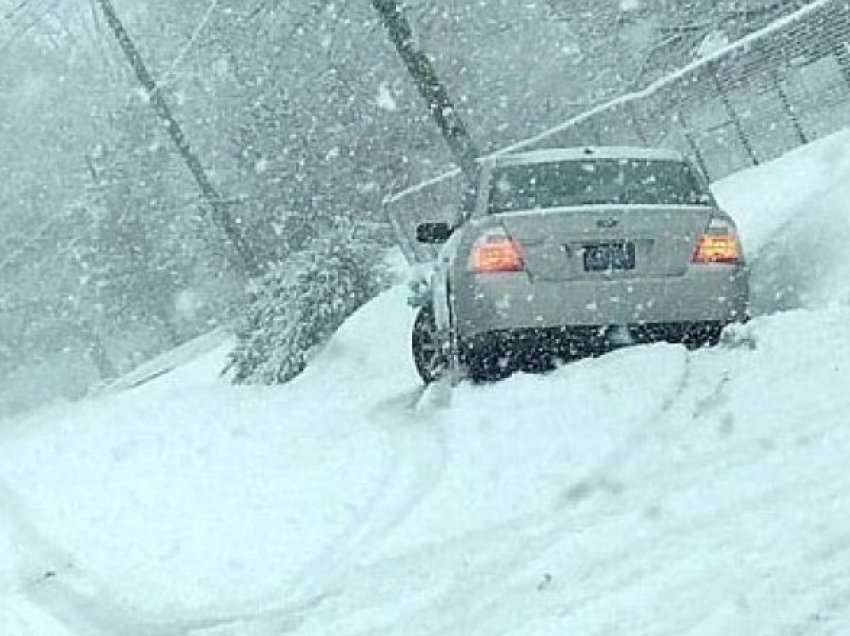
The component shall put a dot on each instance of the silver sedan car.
(566, 253)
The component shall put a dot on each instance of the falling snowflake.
(385, 99)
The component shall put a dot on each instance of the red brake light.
(719, 243)
(717, 249)
(496, 252)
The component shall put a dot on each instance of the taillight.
(718, 244)
(496, 252)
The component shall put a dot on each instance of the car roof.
(547, 155)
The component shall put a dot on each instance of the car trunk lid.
(589, 242)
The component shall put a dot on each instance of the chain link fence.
(749, 102)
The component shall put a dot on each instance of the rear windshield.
(595, 182)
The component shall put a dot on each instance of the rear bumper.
(515, 302)
(578, 342)
(496, 355)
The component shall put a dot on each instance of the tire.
(485, 369)
(705, 336)
(429, 353)
(487, 359)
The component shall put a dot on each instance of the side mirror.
(433, 233)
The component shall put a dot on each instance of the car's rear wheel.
(429, 353)
(707, 335)
(488, 366)
(496, 356)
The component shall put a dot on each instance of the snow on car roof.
(588, 152)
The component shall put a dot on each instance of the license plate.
(609, 257)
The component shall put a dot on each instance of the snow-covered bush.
(301, 302)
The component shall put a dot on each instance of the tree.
(141, 248)
(300, 303)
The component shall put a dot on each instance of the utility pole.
(430, 87)
(221, 215)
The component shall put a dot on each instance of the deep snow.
(651, 491)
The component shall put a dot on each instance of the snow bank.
(650, 491)
(794, 214)
(117, 476)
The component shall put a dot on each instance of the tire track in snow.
(637, 573)
(831, 610)
(622, 567)
(408, 428)
(599, 478)
(500, 569)
(391, 504)
(57, 587)
(50, 580)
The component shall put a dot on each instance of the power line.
(220, 214)
(10, 13)
(15, 20)
(29, 26)
(17, 17)
(196, 33)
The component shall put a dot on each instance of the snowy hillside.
(651, 491)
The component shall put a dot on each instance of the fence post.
(785, 100)
(593, 127)
(636, 123)
(733, 115)
(692, 142)
(842, 55)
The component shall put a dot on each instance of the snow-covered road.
(651, 491)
